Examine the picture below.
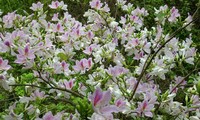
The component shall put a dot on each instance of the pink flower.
(178, 81)
(62, 67)
(90, 35)
(58, 28)
(146, 47)
(69, 84)
(121, 104)
(159, 32)
(38, 94)
(174, 15)
(106, 8)
(83, 65)
(135, 42)
(56, 4)
(100, 102)
(136, 19)
(50, 116)
(88, 50)
(36, 7)
(77, 32)
(4, 47)
(189, 55)
(139, 12)
(96, 4)
(65, 37)
(144, 108)
(115, 41)
(195, 101)
(8, 19)
(25, 54)
(132, 44)
(4, 64)
(99, 96)
(117, 71)
(187, 21)
(55, 17)
(65, 65)
(139, 55)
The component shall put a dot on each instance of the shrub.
(54, 67)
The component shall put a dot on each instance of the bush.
(122, 63)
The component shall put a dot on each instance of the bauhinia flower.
(160, 69)
(62, 67)
(174, 15)
(83, 65)
(88, 50)
(117, 71)
(4, 64)
(25, 54)
(189, 53)
(8, 19)
(195, 102)
(69, 84)
(77, 32)
(90, 35)
(55, 17)
(57, 4)
(187, 21)
(37, 94)
(132, 43)
(50, 116)
(138, 56)
(144, 108)
(58, 28)
(37, 6)
(100, 102)
(121, 104)
(96, 4)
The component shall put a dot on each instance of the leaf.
(62, 56)
(198, 86)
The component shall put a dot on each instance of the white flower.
(114, 24)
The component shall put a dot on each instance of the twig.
(62, 89)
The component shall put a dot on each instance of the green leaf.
(198, 86)
(27, 78)
(62, 56)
